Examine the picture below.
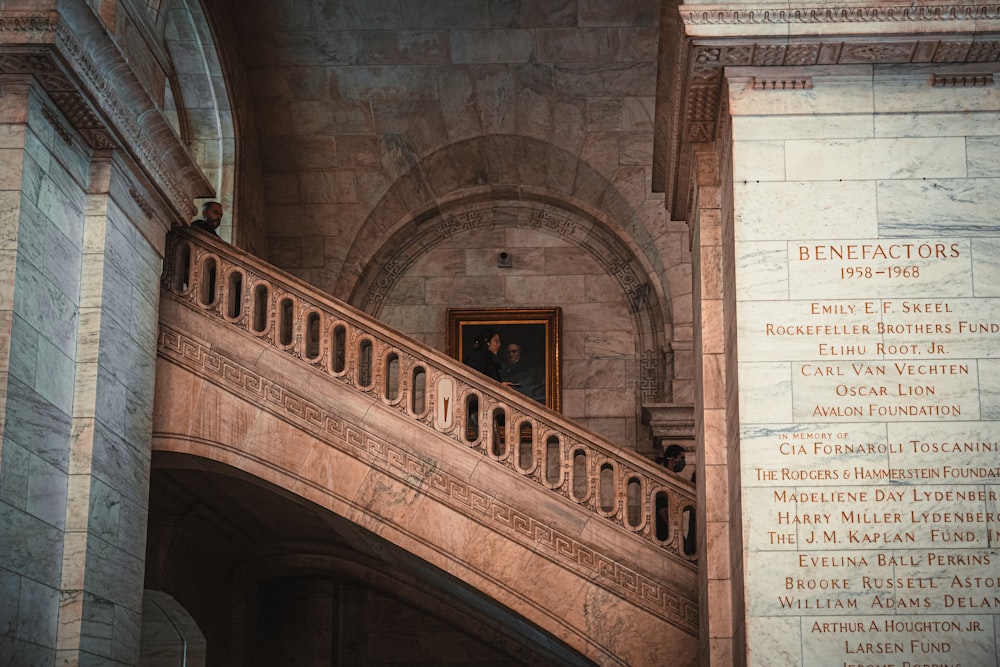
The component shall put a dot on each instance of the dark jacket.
(485, 362)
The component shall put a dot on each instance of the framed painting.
(529, 346)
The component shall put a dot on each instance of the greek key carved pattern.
(456, 224)
(266, 393)
(649, 374)
(549, 221)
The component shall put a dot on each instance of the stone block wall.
(82, 258)
(865, 236)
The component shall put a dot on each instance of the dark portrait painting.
(529, 346)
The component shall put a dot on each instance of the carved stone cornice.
(830, 14)
(943, 36)
(101, 99)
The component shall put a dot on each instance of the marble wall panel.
(327, 48)
(835, 93)
(944, 206)
(17, 462)
(867, 159)
(539, 14)
(408, 47)
(356, 15)
(930, 124)
(491, 46)
(865, 383)
(366, 82)
(768, 211)
(825, 126)
(981, 154)
(909, 95)
(617, 80)
(23, 350)
(763, 270)
(633, 12)
(430, 14)
(33, 550)
(578, 45)
(52, 367)
(760, 161)
(35, 622)
(604, 114)
(638, 113)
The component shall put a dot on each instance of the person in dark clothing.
(673, 458)
(211, 218)
(483, 356)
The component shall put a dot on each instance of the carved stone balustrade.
(425, 385)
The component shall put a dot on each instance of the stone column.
(80, 302)
(44, 172)
(719, 535)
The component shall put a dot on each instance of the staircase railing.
(355, 349)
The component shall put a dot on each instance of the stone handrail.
(356, 350)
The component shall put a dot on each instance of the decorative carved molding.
(669, 421)
(53, 119)
(10, 22)
(783, 83)
(141, 145)
(962, 80)
(140, 202)
(701, 59)
(267, 394)
(825, 14)
(45, 46)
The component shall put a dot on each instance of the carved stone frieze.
(832, 14)
(40, 25)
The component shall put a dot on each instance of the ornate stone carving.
(53, 119)
(789, 83)
(701, 63)
(962, 80)
(40, 24)
(140, 202)
(695, 15)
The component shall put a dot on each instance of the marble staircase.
(262, 373)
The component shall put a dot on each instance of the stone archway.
(530, 184)
(198, 102)
(170, 636)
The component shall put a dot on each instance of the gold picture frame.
(537, 331)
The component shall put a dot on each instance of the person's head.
(674, 458)
(211, 212)
(512, 352)
(488, 339)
